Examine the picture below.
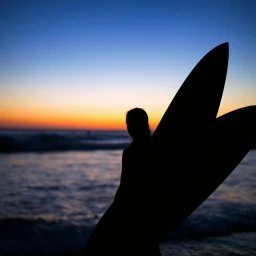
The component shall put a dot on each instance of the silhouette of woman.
(123, 222)
(134, 166)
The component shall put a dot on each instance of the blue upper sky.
(127, 48)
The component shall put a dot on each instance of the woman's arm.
(125, 167)
(123, 178)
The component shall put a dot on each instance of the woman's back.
(125, 221)
(135, 168)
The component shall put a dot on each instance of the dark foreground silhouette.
(135, 167)
(170, 181)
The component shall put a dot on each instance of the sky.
(84, 64)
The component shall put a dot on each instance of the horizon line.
(62, 128)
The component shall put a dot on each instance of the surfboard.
(222, 147)
(199, 97)
(187, 154)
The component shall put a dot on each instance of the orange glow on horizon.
(52, 121)
(22, 115)
(65, 125)
(67, 121)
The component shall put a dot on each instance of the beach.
(56, 185)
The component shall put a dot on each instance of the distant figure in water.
(135, 162)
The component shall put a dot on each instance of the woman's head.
(137, 123)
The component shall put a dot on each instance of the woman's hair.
(137, 123)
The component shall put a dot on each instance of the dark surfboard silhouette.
(225, 143)
(199, 97)
(193, 152)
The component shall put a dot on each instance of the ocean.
(55, 186)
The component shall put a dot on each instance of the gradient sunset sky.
(83, 64)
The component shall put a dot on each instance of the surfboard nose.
(198, 99)
(220, 54)
(225, 46)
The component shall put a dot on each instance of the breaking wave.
(61, 141)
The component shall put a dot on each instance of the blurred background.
(70, 70)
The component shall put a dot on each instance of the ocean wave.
(57, 141)
(54, 142)
(39, 235)
(32, 236)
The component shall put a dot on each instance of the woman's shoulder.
(128, 149)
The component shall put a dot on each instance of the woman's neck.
(141, 139)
